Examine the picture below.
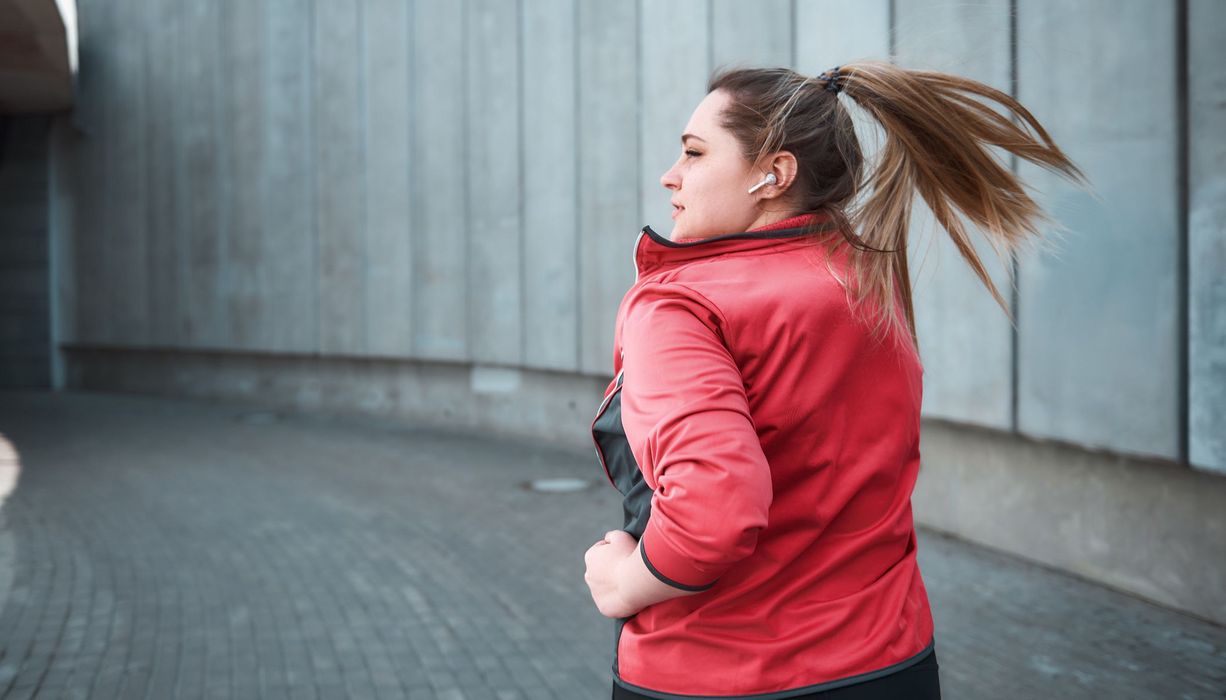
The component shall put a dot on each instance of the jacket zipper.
(604, 405)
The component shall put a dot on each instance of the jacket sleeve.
(687, 419)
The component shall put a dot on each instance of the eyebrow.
(691, 136)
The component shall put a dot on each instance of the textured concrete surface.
(1151, 528)
(1106, 517)
(172, 548)
(25, 330)
(1099, 336)
(966, 342)
(1206, 236)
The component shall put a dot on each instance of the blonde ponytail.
(939, 132)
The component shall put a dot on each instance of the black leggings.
(918, 682)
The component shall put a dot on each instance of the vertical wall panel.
(215, 50)
(340, 220)
(608, 176)
(440, 221)
(495, 319)
(550, 190)
(831, 32)
(1099, 316)
(62, 222)
(674, 77)
(389, 279)
(201, 321)
(965, 337)
(127, 123)
(162, 56)
(1207, 234)
(757, 34)
(242, 101)
(288, 274)
(25, 262)
(90, 114)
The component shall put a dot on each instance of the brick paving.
(159, 548)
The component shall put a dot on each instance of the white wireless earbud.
(770, 179)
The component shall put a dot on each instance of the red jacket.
(767, 448)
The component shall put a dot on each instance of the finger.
(616, 535)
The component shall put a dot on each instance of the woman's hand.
(603, 561)
(619, 579)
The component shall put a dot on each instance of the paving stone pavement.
(165, 548)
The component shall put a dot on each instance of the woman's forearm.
(639, 587)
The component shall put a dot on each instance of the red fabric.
(792, 222)
(782, 446)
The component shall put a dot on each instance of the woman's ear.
(783, 165)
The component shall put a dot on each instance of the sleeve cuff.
(671, 563)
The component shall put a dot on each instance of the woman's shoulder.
(784, 277)
(664, 296)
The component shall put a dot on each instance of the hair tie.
(834, 79)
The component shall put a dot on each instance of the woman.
(764, 421)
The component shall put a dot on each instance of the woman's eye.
(693, 154)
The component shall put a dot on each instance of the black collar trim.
(794, 232)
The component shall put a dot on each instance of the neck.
(767, 218)
(781, 221)
(764, 223)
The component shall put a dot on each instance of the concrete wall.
(966, 341)
(25, 320)
(457, 397)
(463, 181)
(1144, 526)
(1206, 258)
(1100, 346)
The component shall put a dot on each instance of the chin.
(681, 230)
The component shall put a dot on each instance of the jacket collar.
(651, 250)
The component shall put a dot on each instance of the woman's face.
(711, 179)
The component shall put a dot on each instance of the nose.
(669, 179)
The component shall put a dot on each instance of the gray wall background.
(463, 181)
(25, 317)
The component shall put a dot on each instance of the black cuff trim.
(656, 572)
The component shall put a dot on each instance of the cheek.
(722, 198)
(714, 187)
